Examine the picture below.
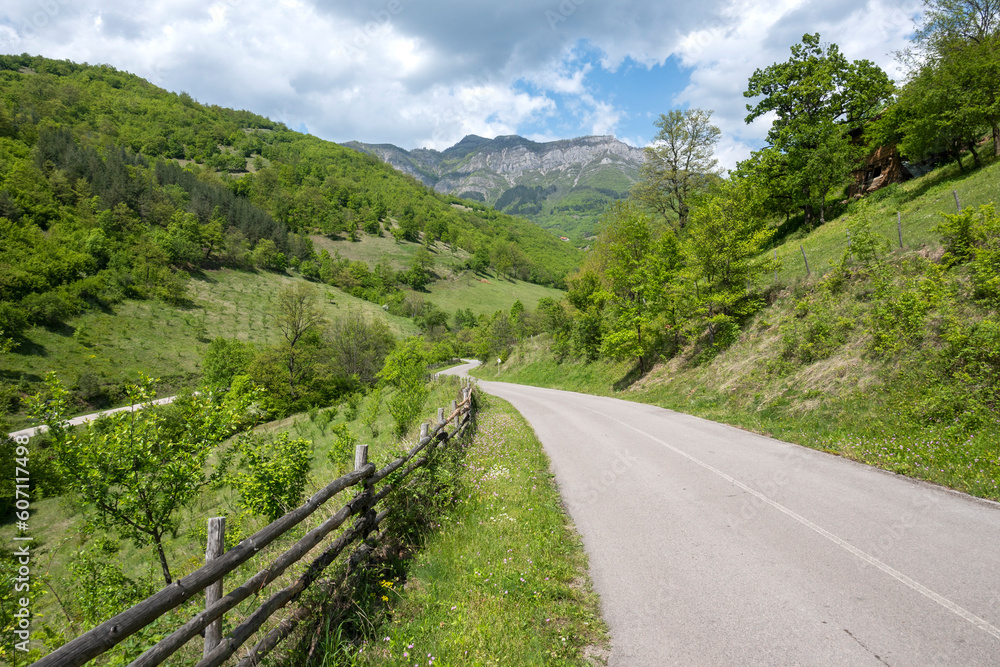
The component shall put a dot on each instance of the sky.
(425, 73)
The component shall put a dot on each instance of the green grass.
(484, 294)
(169, 342)
(372, 249)
(503, 581)
(920, 203)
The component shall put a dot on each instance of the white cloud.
(718, 54)
(425, 73)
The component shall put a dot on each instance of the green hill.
(136, 225)
(886, 355)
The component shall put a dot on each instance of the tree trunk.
(638, 336)
(975, 156)
(163, 559)
(807, 211)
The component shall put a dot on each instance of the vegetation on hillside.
(114, 192)
(889, 357)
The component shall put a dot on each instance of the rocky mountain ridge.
(564, 185)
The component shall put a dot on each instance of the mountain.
(562, 185)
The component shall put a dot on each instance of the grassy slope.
(919, 201)
(849, 401)
(168, 342)
(372, 249)
(456, 287)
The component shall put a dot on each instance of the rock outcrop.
(562, 184)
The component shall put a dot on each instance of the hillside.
(886, 355)
(301, 181)
(562, 185)
(123, 205)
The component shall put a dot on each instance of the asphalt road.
(83, 419)
(713, 546)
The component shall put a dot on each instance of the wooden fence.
(111, 632)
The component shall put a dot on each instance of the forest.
(112, 189)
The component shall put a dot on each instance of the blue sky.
(424, 73)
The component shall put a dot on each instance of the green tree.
(137, 469)
(296, 315)
(359, 346)
(224, 360)
(404, 370)
(817, 98)
(724, 248)
(954, 77)
(629, 260)
(679, 164)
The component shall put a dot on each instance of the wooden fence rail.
(113, 631)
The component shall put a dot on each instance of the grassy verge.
(843, 405)
(502, 580)
(501, 576)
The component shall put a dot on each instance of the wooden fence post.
(805, 259)
(424, 430)
(213, 593)
(957, 204)
(360, 456)
(440, 415)
(899, 228)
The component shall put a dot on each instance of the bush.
(271, 472)
(342, 451)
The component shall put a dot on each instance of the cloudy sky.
(425, 73)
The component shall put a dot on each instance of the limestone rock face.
(560, 184)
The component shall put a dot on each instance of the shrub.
(271, 472)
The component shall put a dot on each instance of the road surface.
(713, 546)
(83, 419)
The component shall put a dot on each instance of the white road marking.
(868, 558)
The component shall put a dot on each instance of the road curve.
(83, 419)
(713, 546)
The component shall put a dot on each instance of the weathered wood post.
(805, 259)
(360, 456)
(899, 228)
(440, 416)
(957, 204)
(424, 430)
(213, 593)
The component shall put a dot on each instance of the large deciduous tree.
(953, 93)
(817, 97)
(679, 164)
(296, 314)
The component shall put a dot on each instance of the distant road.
(76, 421)
(713, 546)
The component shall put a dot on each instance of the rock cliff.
(564, 185)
